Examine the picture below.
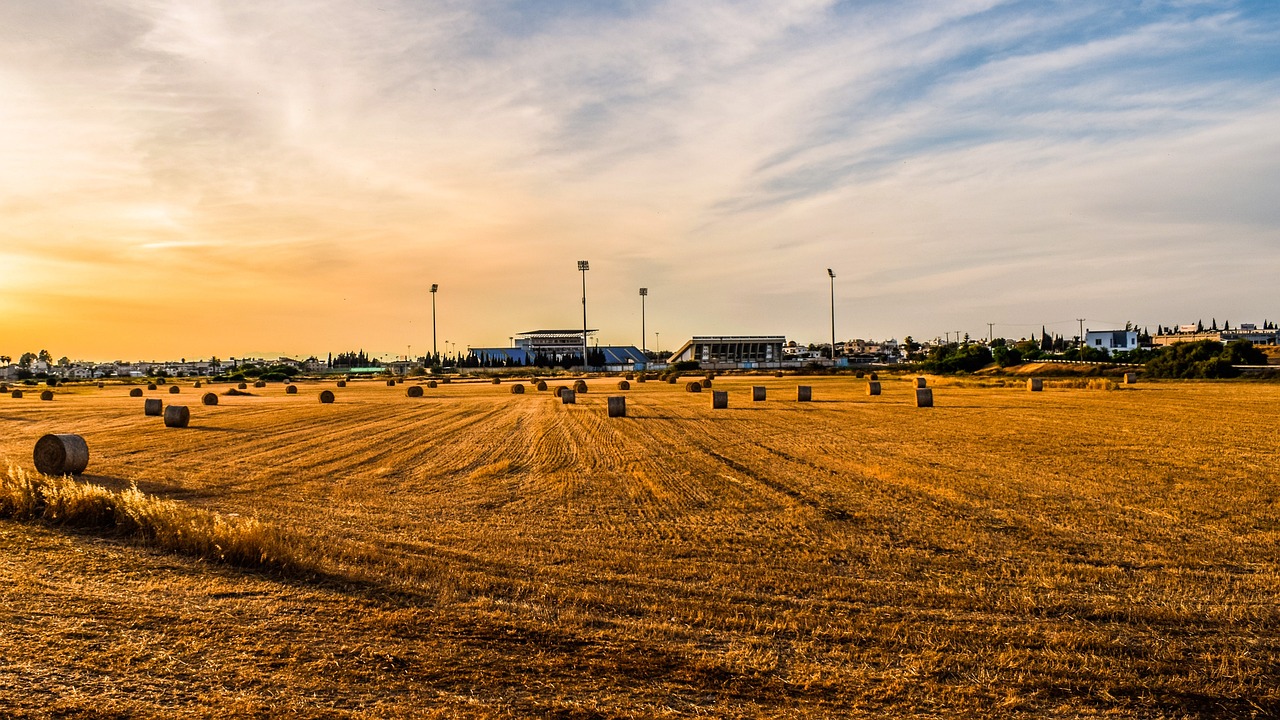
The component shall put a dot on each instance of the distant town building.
(1248, 332)
(1112, 341)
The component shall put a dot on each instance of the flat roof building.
(732, 351)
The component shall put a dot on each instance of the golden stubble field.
(1068, 553)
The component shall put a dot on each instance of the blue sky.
(956, 162)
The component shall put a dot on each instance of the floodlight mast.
(644, 336)
(434, 352)
(583, 267)
(833, 316)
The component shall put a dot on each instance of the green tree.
(46, 356)
(1199, 359)
(954, 357)
(1242, 352)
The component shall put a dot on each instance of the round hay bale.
(161, 380)
(174, 389)
(209, 398)
(391, 383)
(719, 399)
(198, 384)
(778, 374)
(446, 381)
(5, 388)
(560, 389)
(290, 389)
(51, 382)
(921, 382)
(46, 395)
(242, 386)
(431, 384)
(101, 385)
(517, 389)
(61, 454)
(873, 387)
(624, 385)
(151, 386)
(804, 393)
(541, 386)
(641, 378)
(153, 407)
(617, 406)
(260, 384)
(1130, 378)
(136, 392)
(568, 397)
(629, 376)
(1035, 384)
(326, 396)
(673, 379)
(176, 416)
(414, 391)
(17, 394)
(875, 376)
(860, 374)
(757, 393)
(693, 386)
(497, 381)
(924, 397)
(580, 386)
(706, 382)
(342, 383)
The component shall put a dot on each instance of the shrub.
(955, 358)
(1200, 359)
(1006, 356)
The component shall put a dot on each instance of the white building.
(1112, 341)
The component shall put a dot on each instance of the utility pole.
(1081, 344)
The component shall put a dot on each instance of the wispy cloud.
(942, 154)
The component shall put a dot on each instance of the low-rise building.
(1112, 341)
(732, 351)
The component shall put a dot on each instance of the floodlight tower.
(832, 275)
(434, 287)
(644, 336)
(583, 267)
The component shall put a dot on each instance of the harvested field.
(1076, 552)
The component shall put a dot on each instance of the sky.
(196, 178)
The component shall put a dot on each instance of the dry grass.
(1070, 553)
(166, 524)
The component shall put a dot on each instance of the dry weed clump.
(63, 501)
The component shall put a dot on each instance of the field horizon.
(1084, 551)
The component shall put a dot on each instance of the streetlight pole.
(644, 336)
(1081, 343)
(657, 340)
(833, 316)
(434, 287)
(583, 267)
